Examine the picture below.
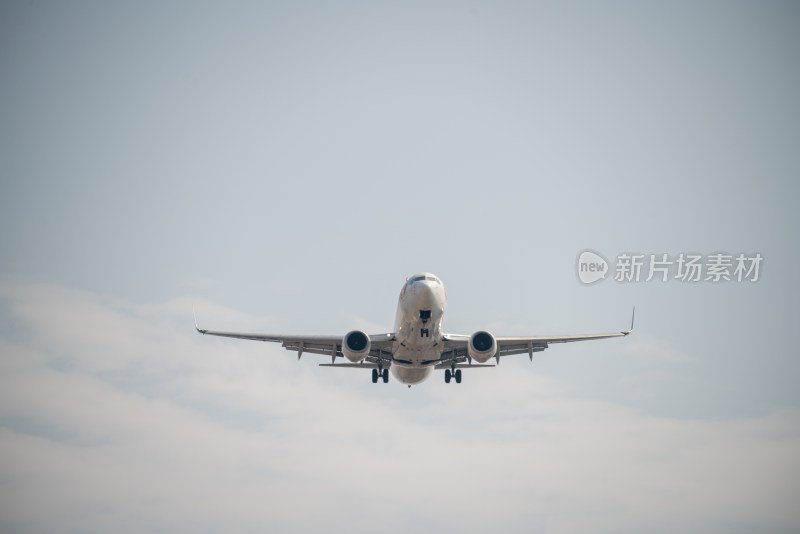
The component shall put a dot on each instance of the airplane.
(418, 346)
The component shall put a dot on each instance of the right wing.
(380, 345)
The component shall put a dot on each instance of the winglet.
(195, 322)
(633, 315)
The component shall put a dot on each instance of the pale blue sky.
(284, 166)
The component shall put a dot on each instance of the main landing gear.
(384, 374)
(448, 374)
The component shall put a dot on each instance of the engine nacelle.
(482, 346)
(355, 346)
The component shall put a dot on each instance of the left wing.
(380, 345)
(456, 345)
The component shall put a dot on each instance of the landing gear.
(448, 375)
(383, 375)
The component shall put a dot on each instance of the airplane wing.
(456, 345)
(380, 345)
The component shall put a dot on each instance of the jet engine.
(482, 346)
(355, 346)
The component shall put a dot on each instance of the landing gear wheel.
(385, 376)
(374, 376)
(458, 376)
(447, 376)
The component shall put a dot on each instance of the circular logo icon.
(592, 267)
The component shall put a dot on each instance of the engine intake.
(355, 346)
(482, 346)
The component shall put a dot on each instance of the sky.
(282, 167)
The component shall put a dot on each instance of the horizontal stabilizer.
(464, 365)
(358, 365)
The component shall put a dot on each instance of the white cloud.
(119, 417)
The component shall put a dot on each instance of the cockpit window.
(424, 277)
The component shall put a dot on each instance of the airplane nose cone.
(425, 294)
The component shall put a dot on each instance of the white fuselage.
(418, 328)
